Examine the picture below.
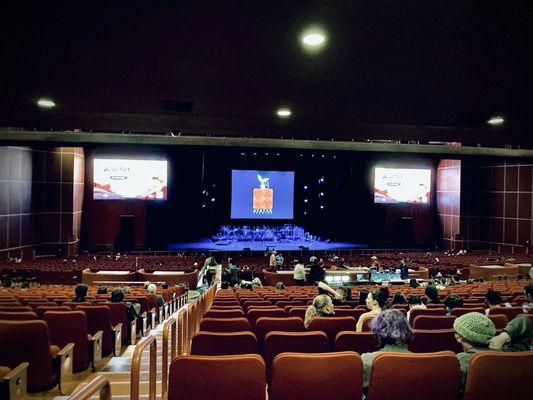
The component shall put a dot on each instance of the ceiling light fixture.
(497, 120)
(313, 38)
(284, 113)
(46, 103)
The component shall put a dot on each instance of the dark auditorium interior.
(281, 200)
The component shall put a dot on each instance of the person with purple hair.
(393, 332)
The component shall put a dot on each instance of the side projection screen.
(119, 179)
(402, 185)
(262, 194)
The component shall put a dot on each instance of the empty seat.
(41, 304)
(17, 308)
(426, 341)
(42, 309)
(509, 312)
(119, 315)
(264, 325)
(433, 322)
(224, 324)
(254, 314)
(417, 311)
(239, 377)
(360, 342)
(355, 314)
(499, 375)
(499, 320)
(465, 310)
(316, 376)
(298, 312)
(332, 325)
(401, 376)
(235, 313)
(223, 343)
(99, 319)
(18, 316)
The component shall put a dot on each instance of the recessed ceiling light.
(46, 103)
(284, 112)
(313, 39)
(496, 120)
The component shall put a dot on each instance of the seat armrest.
(144, 323)
(13, 385)
(95, 350)
(117, 337)
(133, 331)
(64, 360)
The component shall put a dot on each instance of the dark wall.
(349, 211)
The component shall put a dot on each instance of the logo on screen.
(263, 197)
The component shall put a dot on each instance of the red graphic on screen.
(263, 197)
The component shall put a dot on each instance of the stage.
(209, 245)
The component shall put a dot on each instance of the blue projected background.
(262, 194)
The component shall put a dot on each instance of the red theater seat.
(426, 341)
(18, 316)
(264, 325)
(42, 309)
(359, 342)
(239, 377)
(465, 310)
(223, 343)
(224, 324)
(509, 312)
(99, 319)
(331, 326)
(401, 376)
(254, 314)
(235, 313)
(433, 322)
(499, 320)
(416, 312)
(317, 376)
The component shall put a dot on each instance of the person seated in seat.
(280, 286)
(399, 298)
(363, 294)
(102, 290)
(322, 307)
(451, 302)
(256, 283)
(413, 283)
(81, 292)
(528, 291)
(232, 273)
(394, 334)
(374, 302)
(386, 295)
(474, 332)
(516, 336)
(493, 299)
(126, 290)
(432, 294)
(415, 302)
(152, 289)
(133, 309)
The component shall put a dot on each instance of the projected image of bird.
(264, 182)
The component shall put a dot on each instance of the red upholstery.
(119, 314)
(42, 309)
(42, 304)
(331, 326)
(240, 377)
(366, 324)
(348, 313)
(99, 319)
(70, 327)
(359, 342)
(27, 341)
(298, 312)
(224, 324)
(235, 313)
(426, 341)
(499, 320)
(223, 343)
(433, 322)
(509, 312)
(264, 325)
(499, 375)
(401, 376)
(18, 316)
(417, 311)
(465, 310)
(254, 314)
(316, 376)
(18, 308)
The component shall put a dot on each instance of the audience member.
(393, 332)
(363, 294)
(451, 302)
(413, 283)
(133, 309)
(126, 290)
(152, 289)
(256, 282)
(415, 302)
(386, 294)
(374, 302)
(102, 290)
(299, 273)
(233, 273)
(399, 298)
(80, 292)
(517, 335)
(528, 305)
(322, 307)
(432, 294)
(280, 286)
(493, 299)
(316, 273)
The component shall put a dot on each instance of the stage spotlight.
(321, 194)
(305, 212)
(305, 187)
(277, 154)
(203, 192)
(321, 207)
(266, 154)
(321, 179)
(323, 156)
(313, 38)
(214, 185)
(306, 200)
(283, 112)
(203, 205)
(312, 156)
(497, 120)
(46, 103)
(212, 199)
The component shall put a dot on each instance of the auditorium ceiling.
(404, 70)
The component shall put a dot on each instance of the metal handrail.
(98, 384)
(136, 367)
(169, 329)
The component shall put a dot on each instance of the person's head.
(453, 301)
(323, 304)
(528, 291)
(414, 301)
(256, 282)
(375, 300)
(344, 293)
(152, 288)
(146, 284)
(363, 294)
(474, 330)
(374, 258)
(399, 298)
(117, 295)
(81, 291)
(313, 260)
(102, 290)
(493, 298)
(126, 290)
(432, 293)
(385, 291)
(391, 327)
(164, 285)
(230, 261)
(413, 283)
(280, 286)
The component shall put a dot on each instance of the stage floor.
(208, 244)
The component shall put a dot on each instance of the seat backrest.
(70, 327)
(277, 342)
(42, 309)
(17, 308)
(254, 314)
(17, 316)
(465, 310)
(366, 324)
(27, 341)
(415, 372)
(119, 314)
(355, 314)
(99, 319)
(223, 343)
(224, 325)
(499, 375)
(284, 303)
(509, 312)
(235, 313)
(418, 311)
(359, 342)
(500, 321)
(264, 325)
(433, 322)
(317, 376)
(250, 303)
(298, 312)
(426, 341)
(237, 377)
(42, 304)
(332, 325)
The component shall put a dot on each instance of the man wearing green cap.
(474, 331)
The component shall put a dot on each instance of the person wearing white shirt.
(299, 274)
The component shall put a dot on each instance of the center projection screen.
(262, 194)
(402, 185)
(120, 179)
